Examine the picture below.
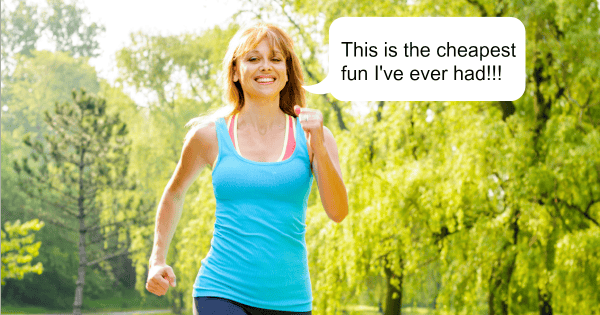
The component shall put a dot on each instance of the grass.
(353, 309)
(119, 302)
(8, 309)
(373, 310)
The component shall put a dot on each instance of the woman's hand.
(159, 279)
(312, 122)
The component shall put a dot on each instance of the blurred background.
(455, 207)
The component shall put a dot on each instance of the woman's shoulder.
(203, 134)
(202, 141)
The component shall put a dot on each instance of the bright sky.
(123, 17)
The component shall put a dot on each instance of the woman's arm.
(325, 163)
(326, 166)
(193, 159)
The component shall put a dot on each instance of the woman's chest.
(236, 178)
(261, 148)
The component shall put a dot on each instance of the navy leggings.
(217, 306)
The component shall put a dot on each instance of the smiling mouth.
(265, 80)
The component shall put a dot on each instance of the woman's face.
(261, 72)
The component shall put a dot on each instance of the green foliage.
(182, 71)
(577, 281)
(82, 160)
(51, 77)
(172, 67)
(21, 29)
(86, 147)
(19, 248)
(465, 201)
(70, 32)
(487, 196)
(36, 84)
(479, 207)
(63, 24)
(31, 84)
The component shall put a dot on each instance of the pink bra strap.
(291, 144)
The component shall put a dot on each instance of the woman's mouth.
(265, 80)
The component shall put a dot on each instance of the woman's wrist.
(157, 262)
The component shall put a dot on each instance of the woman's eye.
(276, 59)
(252, 59)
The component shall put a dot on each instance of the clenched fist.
(159, 279)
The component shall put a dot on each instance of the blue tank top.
(258, 251)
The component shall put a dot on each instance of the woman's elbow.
(338, 215)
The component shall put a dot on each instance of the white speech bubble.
(451, 59)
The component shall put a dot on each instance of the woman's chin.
(265, 94)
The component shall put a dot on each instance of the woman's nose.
(266, 65)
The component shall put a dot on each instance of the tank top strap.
(225, 144)
(301, 143)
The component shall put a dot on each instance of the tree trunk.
(548, 252)
(434, 305)
(81, 270)
(502, 272)
(492, 294)
(544, 294)
(544, 303)
(393, 301)
(82, 231)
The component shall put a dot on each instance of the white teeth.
(264, 80)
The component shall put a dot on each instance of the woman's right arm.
(197, 150)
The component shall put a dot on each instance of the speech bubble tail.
(319, 88)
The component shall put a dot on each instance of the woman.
(263, 159)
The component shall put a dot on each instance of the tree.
(63, 24)
(68, 30)
(181, 72)
(494, 204)
(532, 160)
(21, 29)
(18, 249)
(86, 156)
(36, 83)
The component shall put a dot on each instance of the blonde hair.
(246, 40)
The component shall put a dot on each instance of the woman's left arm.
(326, 165)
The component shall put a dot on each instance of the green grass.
(9, 309)
(373, 310)
(119, 302)
(125, 301)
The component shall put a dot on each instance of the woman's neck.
(263, 115)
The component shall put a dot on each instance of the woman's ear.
(236, 77)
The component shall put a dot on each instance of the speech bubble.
(425, 59)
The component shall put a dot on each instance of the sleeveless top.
(258, 251)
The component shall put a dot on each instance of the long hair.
(246, 40)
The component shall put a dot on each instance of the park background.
(455, 207)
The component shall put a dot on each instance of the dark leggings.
(214, 305)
